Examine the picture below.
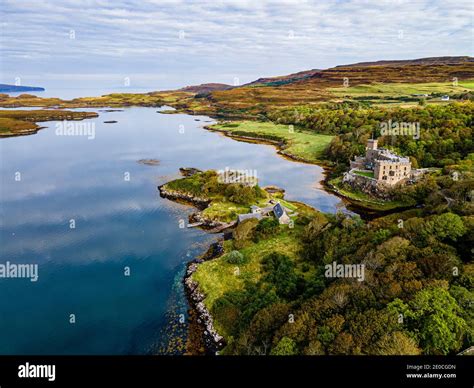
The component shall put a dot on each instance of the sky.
(163, 44)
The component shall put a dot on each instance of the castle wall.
(391, 172)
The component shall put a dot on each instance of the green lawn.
(369, 174)
(225, 211)
(468, 84)
(304, 145)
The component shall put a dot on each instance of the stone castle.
(379, 166)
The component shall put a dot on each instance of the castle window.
(391, 173)
(384, 178)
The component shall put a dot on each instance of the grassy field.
(224, 211)
(11, 127)
(305, 146)
(395, 93)
(216, 277)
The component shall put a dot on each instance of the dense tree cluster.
(416, 296)
(446, 132)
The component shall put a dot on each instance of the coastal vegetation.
(222, 201)
(23, 122)
(279, 301)
(268, 292)
(110, 100)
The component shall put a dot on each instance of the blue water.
(119, 224)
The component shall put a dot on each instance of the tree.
(446, 226)
(280, 272)
(286, 347)
(267, 321)
(464, 298)
(241, 194)
(343, 344)
(395, 344)
(433, 316)
(266, 228)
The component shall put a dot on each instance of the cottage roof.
(243, 217)
(267, 209)
(278, 210)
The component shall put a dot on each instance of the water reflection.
(118, 223)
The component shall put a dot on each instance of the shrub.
(243, 233)
(240, 194)
(235, 257)
(266, 227)
(280, 272)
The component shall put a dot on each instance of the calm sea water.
(119, 223)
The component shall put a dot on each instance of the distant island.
(4, 88)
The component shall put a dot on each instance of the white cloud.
(246, 38)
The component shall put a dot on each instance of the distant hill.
(283, 79)
(316, 86)
(205, 88)
(4, 88)
(420, 61)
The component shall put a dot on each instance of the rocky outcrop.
(367, 185)
(272, 189)
(212, 339)
(199, 202)
(189, 171)
(205, 222)
(149, 162)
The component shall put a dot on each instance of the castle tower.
(372, 144)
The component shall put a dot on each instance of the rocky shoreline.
(210, 340)
(198, 202)
(213, 341)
